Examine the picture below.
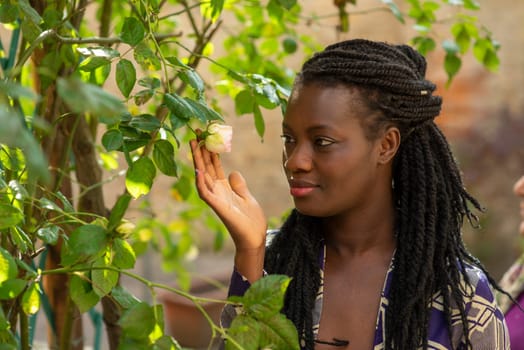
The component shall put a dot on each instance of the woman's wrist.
(250, 262)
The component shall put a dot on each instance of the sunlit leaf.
(140, 176)
(124, 256)
(9, 216)
(8, 268)
(31, 299)
(265, 297)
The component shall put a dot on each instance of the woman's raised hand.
(236, 207)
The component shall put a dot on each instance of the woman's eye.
(322, 142)
(287, 138)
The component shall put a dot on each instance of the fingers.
(238, 185)
(206, 161)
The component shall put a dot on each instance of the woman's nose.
(519, 187)
(297, 159)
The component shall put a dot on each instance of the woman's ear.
(389, 144)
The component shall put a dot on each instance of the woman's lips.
(301, 188)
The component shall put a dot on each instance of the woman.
(513, 283)
(374, 242)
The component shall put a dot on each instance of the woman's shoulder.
(478, 281)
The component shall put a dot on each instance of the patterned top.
(513, 283)
(486, 324)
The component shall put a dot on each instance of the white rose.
(218, 138)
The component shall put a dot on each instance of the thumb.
(238, 185)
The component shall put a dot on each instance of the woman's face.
(519, 191)
(331, 166)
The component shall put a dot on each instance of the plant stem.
(24, 332)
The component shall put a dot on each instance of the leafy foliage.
(57, 101)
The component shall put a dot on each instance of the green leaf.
(14, 134)
(14, 90)
(149, 82)
(274, 10)
(10, 289)
(31, 299)
(143, 96)
(8, 268)
(45, 203)
(48, 234)
(394, 10)
(166, 343)
(31, 20)
(265, 297)
(140, 176)
(424, 44)
(82, 293)
(125, 76)
(87, 98)
(176, 62)
(178, 106)
(147, 59)
(112, 140)
(138, 321)
(462, 36)
(183, 187)
(93, 62)
(244, 102)
(124, 256)
(84, 242)
(133, 31)
(277, 332)
(118, 211)
(260, 125)
(289, 45)
(452, 65)
(164, 157)
(10, 216)
(8, 13)
(124, 298)
(287, 4)
(103, 279)
(145, 122)
(68, 208)
(203, 112)
(191, 77)
(471, 5)
(450, 47)
(99, 51)
(246, 332)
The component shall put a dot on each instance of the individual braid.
(430, 199)
(295, 252)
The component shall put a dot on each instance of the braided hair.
(430, 198)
